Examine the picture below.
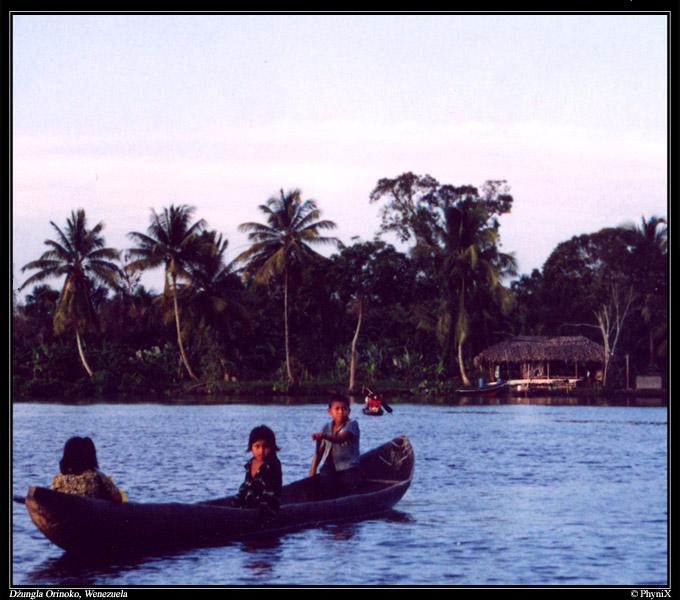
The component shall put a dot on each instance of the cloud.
(566, 178)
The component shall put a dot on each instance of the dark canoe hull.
(488, 390)
(85, 525)
(371, 413)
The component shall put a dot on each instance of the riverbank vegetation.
(282, 317)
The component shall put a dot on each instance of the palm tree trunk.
(289, 371)
(450, 341)
(82, 355)
(179, 331)
(462, 331)
(353, 354)
(461, 366)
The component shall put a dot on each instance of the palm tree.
(292, 227)
(650, 255)
(212, 298)
(172, 241)
(456, 241)
(472, 269)
(79, 255)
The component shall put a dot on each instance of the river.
(510, 494)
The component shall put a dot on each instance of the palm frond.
(58, 251)
(271, 266)
(39, 277)
(65, 243)
(305, 216)
(144, 239)
(257, 228)
(42, 263)
(104, 253)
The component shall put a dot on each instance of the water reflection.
(262, 556)
(340, 531)
(262, 553)
(74, 570)
(621, 398)
(71, 570)
(347, 530)
(632, 401)
(398, 516)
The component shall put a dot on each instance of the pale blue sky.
(121, 114)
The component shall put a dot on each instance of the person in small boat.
(79, 472)
(373, 403)
(337, 451)
(261, 487)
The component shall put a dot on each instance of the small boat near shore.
(86, 525)
(544, 384)
(372, 413)
(492, 389)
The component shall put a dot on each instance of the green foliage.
(448, 292)
(80, 257)
(584, 276)
(456, 236)
(283, 246)
(341, 370)
(174, 242)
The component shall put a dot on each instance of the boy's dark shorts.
(333, 484)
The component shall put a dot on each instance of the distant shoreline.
(254, 394)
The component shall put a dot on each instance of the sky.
(122, 114)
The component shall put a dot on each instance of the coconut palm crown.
(293, 227)
(79, 255)
(171, 241)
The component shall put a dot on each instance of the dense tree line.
(285, 315)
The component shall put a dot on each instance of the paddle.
(388, 408)
(19, 499)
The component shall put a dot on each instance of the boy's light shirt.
(346, 455)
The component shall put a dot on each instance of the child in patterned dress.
(79, 472)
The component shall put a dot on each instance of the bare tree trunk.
(353, 354)
(225, 371)
(602, 317)
(289, 371)
(82, 355)
(461, 366)
(610, 319)
(179, 331)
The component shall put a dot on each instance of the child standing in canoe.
(337, 449)
(262, 485)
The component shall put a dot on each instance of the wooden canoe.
(492, 389)
(372, 413)
(85, 525)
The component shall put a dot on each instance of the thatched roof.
(536, 348)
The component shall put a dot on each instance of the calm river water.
(502, 495)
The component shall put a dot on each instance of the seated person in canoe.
(261, 487)
(337, 450)
(79, 472)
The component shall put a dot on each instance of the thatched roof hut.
(527, 349)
